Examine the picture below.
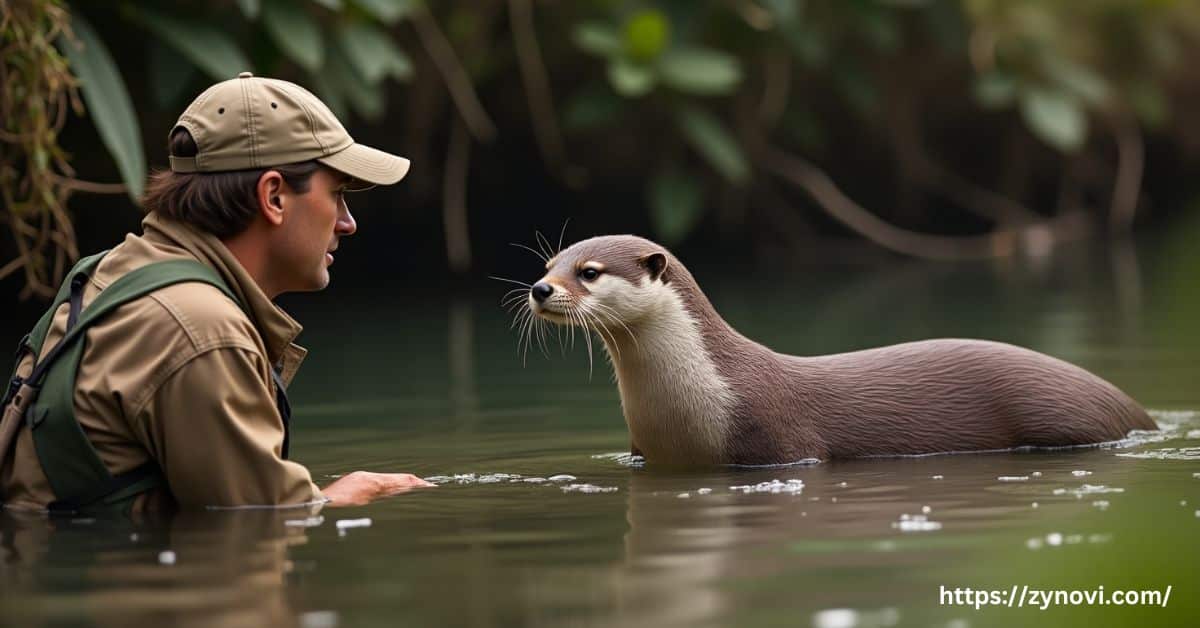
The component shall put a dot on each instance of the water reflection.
(226, 568)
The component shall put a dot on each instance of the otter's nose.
(541, 291)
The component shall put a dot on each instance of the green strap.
(70, 462)
(87, 266)
(33, 341)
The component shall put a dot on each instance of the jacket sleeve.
(215, 431)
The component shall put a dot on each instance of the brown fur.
(915, 398)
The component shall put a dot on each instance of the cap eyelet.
(274, 106)
(221, 111)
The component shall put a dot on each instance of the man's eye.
(588, 274)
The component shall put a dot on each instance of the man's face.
(313, 222)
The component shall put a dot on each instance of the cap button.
(245, 75)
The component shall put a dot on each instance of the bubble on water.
(319, 619)
(1033, 544)
(533, 480)
(684, 496)
(1013, 478)
(926, 509)
(1196, 475)
(1099, 538)
(703, 491)
(345, 524)
(833, 499)
(166, 558)
(790, 487)
(1088, 489)
(1054, 538)
(1036, 474)
(843, 484)
(937, 477)
(563, 477)
(1034, 504)
(1166, 453)
(916, 523)
(1102, 504)
(1183, 502)
(588, 488)
(623, 458)
(134, 537)
(1198, 513)
(835, 618)
(1073, 539)
(1080, 473)
(1193, 434)
(308, 522)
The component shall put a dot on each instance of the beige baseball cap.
(251, 122)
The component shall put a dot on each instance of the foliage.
(708, 88)
(36, 89)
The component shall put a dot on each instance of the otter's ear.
(655, 264)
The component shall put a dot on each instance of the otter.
(695, 392)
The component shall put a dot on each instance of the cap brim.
(367, 164)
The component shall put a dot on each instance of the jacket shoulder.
(206, 315)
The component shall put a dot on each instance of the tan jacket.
(181, 376)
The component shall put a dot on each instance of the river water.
(436, 387)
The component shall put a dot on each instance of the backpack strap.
(33, 341)
(73, 468)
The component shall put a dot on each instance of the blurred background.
(738, 132)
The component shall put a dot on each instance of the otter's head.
(607, 279)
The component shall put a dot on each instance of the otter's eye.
(589, 274)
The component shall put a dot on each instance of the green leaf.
(647, 34)
(295, 32)
(250, 8)
(1150, 103)
(783, 10)
(388, 11)
(1056, 117)
(700, 71)
(1078, 79)
(676, 204)
(708, 136)
(108, 102)
(372, 53)
(995, 90)
(170, 75)
(808, 44)
(330, 93)
(365, 99)
(332, 5)
(597, 38)
(630, 79)
(206, 45)
(590, 107)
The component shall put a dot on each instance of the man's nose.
(346, 225)
(541, 291)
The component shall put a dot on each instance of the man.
(180, 391)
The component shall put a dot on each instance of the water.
(436, 388)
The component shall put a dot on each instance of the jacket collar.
(278, 330)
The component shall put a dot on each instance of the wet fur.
(695, 391)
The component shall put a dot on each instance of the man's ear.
(655, 264)
(269, 190)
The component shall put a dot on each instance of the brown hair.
(221, 203)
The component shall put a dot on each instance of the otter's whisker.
(562, 233)
(521, 297)
(541, 334)
(522, 246)
(612, 340)
(541, 240)
(519, 283)
(618, 320)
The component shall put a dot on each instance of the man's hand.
(363, 487)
